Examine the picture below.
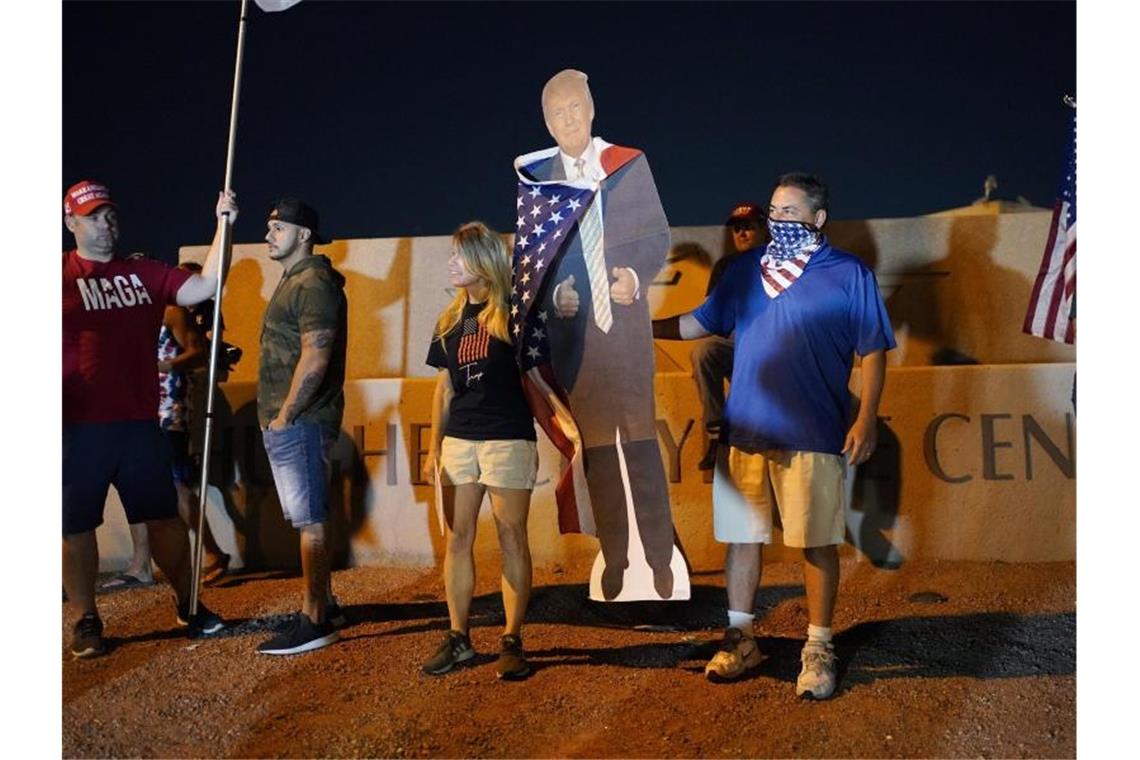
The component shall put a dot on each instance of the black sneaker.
(335, 615)
(302, 635)
(454, 649)
(512, 664)
(202, 623)
(87, 637)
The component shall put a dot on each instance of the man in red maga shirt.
(112, 310)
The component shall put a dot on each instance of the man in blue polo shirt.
(801, 311)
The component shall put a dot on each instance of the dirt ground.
(936, 660)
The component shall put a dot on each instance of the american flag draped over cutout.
(1056, 285)
(547, 213)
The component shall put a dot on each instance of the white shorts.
(805, 488)
(498, 464)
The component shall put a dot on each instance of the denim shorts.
(299, 458)
(133, 456)
(182, 465)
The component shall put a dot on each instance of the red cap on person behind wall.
(750, 212)
(84, 197)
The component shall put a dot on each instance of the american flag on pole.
(1056, 285)
(547, 213)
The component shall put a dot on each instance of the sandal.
(124, 581)
(215, 572)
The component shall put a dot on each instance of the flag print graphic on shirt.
(473, 346)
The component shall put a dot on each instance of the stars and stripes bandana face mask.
(786, 257)
(791, 238)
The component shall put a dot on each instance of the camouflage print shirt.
(309, 297)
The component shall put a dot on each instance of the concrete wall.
(974, 462)
(956, 288)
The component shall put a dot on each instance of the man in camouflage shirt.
(300, 403)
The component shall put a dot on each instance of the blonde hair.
(485, 255)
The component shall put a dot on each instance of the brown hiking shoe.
(512, 665)
(738, 654)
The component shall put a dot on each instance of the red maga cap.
(86, 196)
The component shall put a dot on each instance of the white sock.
(819, 634)
(741, 620)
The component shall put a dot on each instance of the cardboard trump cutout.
(589, 238)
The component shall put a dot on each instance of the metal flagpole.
(226, 241)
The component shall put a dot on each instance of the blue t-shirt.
(794, 352)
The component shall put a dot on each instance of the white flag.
(271, 6)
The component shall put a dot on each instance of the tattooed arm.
(316, 352)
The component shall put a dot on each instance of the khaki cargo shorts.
(805, 489)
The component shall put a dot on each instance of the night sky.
(403, 118)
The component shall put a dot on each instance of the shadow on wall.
(244, 306)
(874, 505)
(347, 498)
(691, 261)
(964, 308)
(874, 502)
(357, 497)
(240, 470)
(679, 287)
(266, 540)
(855, 237)
(691, 252)
(368, 299)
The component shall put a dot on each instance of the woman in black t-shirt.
(482, 439)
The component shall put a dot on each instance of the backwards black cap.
(295, 212)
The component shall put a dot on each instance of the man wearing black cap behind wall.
(300, 403)
(712, 356)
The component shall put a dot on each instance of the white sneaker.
(817, 676)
